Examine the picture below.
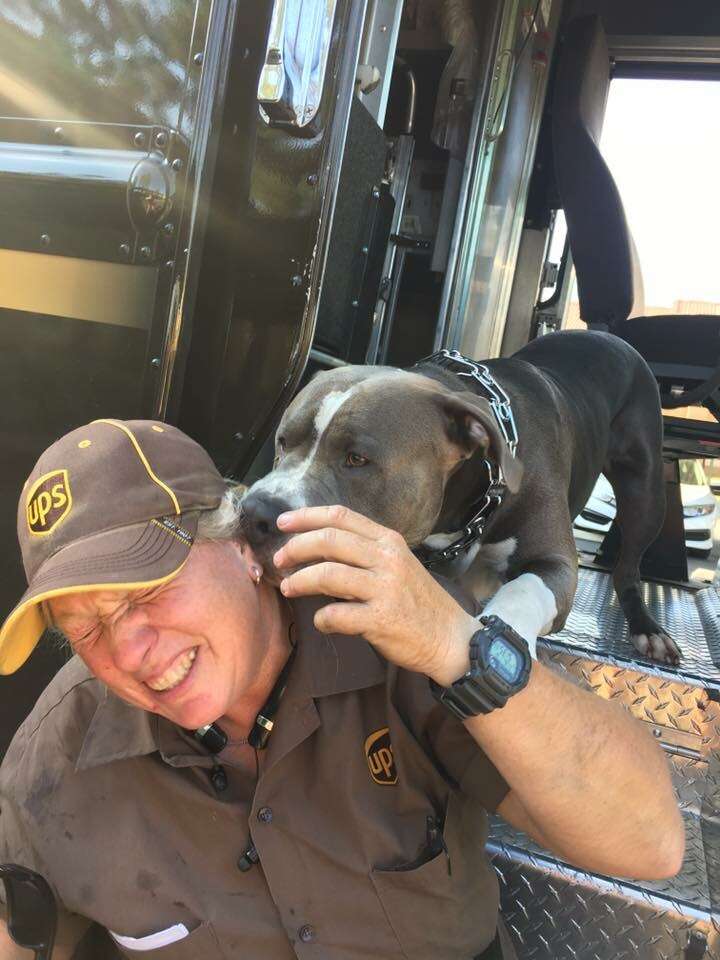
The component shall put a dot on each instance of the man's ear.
(472, 427)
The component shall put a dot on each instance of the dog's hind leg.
(639, 488)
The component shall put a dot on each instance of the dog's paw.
(657, 646)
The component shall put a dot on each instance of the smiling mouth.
(176, 672)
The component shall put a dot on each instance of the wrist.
(455, 661)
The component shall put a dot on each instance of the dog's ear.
(472, 427)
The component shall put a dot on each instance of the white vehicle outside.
(699, 509)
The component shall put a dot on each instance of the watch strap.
(465, 698)
(475, 693)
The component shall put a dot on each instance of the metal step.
(555, 911)
(596, 626)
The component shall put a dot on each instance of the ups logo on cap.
(48, 502)
(379, 753)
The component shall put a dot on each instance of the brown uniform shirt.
(369, 816)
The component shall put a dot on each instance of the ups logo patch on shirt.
(379, 753)
(48, 502)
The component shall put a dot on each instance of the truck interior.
(205, 203)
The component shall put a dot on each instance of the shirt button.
(265, 815)
(306, 933)
(219, 779)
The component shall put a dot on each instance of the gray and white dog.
(406, 448)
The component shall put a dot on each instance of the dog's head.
(381, 441)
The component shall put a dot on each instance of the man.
(228, 769)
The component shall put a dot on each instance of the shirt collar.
(330, 663)
(326, 664)
(117, 731)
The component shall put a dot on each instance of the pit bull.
(411, 449)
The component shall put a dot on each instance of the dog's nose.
(260, 513)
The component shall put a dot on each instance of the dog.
(411, 449)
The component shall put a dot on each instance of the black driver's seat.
(683, 351)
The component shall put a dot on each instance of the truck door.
(167, 176)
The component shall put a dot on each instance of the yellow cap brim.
(130, 558)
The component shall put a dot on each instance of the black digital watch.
(500, 665)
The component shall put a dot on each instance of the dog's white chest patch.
(485, 574)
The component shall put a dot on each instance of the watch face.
(505, 660)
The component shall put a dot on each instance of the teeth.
(176, 673)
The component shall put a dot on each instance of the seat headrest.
(606, 265)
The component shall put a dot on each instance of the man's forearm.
(586, 770)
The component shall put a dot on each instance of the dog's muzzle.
(259, 521)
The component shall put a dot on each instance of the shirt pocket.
(444, 904)
(200, 944)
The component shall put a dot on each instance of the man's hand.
(388, 596)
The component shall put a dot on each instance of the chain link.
(492, 498)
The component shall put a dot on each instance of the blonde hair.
(223, 523)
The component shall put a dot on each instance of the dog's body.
(406, 448)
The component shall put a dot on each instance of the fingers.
(346, 618)
(326, 544)
(330, 580)
(314, 518)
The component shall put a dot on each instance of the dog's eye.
(355, 460)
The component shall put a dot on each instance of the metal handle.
(293, 75)
(496, 124)
(129, 193)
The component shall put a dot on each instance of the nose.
(132, 640)
(260, 513)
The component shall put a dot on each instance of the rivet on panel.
(198, 59)
(354, 303)
(177, 164)
(145, 253)
(296, 280)
(59, 133)
(169, 229)
(155, 361)
(139, 139)
(45, 239)
(312, 179)
(124, 250)
(161, 139)
(170, 264)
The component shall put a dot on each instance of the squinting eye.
(83, 642)
(355, 460)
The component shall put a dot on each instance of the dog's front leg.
(537, 599)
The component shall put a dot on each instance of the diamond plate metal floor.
(597, 627)
(693, 886)
(555, 911)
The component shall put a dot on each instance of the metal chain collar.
(492, 498)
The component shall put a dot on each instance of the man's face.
(189, 650)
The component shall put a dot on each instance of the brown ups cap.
(114, 504)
